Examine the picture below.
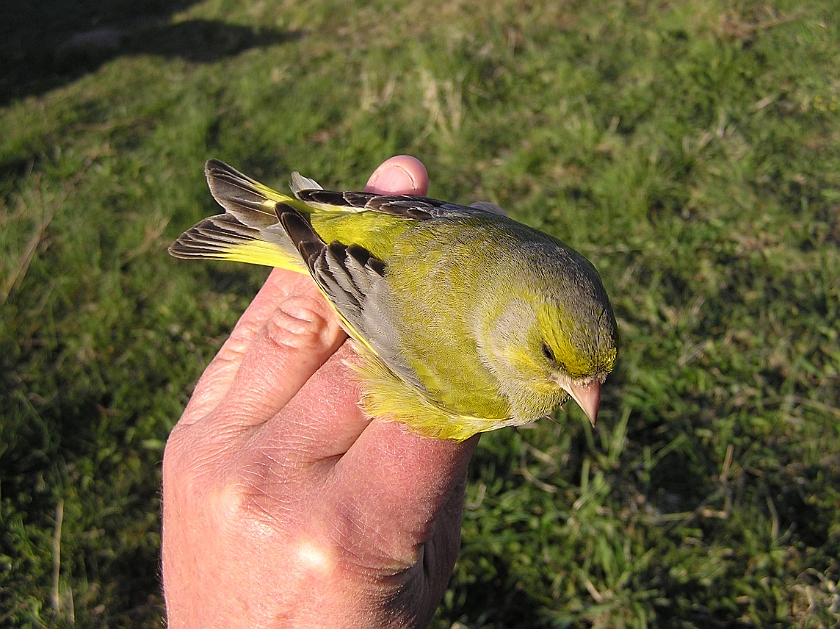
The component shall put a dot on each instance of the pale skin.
(283, 504)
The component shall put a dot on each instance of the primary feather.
(465, 320)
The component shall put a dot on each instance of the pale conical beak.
(587, 398)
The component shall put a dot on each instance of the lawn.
(689, 148)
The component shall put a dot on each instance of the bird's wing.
(403, 205)
(254, 204)
(354, 281)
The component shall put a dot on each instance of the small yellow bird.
(465, 320)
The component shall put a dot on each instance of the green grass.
(690, 148)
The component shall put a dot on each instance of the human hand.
(283, 504)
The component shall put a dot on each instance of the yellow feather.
(386, 397)
(264, 253)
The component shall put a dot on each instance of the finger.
(295, 341)
(324, 419)
(217, 378)
(401, 174)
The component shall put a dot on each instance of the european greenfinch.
(464, 319)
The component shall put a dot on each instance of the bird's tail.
(249, 230)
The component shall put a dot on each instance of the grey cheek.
(510, 328)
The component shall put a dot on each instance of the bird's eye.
(546, 351)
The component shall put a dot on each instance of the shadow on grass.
(44, 45)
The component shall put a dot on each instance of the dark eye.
(546, 351)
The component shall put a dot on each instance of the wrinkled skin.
(283, 505)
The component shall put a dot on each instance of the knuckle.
(251, 493)
(302, 323)
(241, 337)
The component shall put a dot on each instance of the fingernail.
(392, 179)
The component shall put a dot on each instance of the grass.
(690, 149)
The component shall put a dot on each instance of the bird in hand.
(464, 320)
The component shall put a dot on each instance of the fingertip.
(401, 174)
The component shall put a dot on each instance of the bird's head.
(555, 338)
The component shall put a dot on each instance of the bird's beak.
(586, 396)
